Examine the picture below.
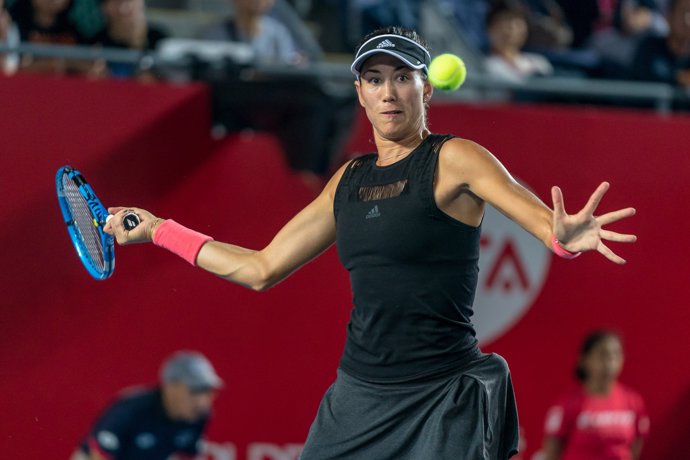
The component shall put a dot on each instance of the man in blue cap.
(165, 422)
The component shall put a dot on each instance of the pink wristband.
(560, 250)
(180, 240)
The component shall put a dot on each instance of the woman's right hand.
(142, 233)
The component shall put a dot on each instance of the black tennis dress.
(412, 383)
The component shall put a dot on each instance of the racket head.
(85, 217)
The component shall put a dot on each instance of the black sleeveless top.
(413, 270)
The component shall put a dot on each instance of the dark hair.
(22, 12)
(671, 6)
(592, 339)
(503, 8)
(395, 30)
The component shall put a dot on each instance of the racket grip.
(130, 221)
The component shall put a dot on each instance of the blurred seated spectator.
(46, 22)
(666, 59)
(251, 23)
(9, 36)
(632, 21)
(126, 27)
(507, 28)
(285, 104)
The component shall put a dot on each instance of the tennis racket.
(85, 217)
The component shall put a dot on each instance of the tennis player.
(412, 383)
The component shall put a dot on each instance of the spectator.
(666, 59)
(162, 423)
(9, 35)
(633, 20)
(507, 28)
(126, 27)
(47, 22)
(251, 23)
(286, 105)
(600, 418)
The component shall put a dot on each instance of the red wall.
(68, 343)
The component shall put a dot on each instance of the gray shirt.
(273, 43)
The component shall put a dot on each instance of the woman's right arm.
(303, 238)
(552, 448)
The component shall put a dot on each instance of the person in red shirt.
(599, 419)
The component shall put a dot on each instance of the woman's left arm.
(478, 170)
(636, 448)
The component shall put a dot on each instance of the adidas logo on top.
(386, 44)
(373, 213)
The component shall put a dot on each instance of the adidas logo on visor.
(386, 44)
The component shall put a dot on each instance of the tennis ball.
(447, 72)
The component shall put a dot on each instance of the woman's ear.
(358, 87)
(428, 91)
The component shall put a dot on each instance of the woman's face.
(52, 7)
(508, 33)
(256, 7)
(604, 361)
(124, 12)
(393, 96)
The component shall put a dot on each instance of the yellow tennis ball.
(447, 72)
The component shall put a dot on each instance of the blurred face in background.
(49, 7)
(124, 12)
(181, 403)
(254, 7)
(508, 32)
(604, 362)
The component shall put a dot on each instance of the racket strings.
(84, 222)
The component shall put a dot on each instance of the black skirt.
(466, 416)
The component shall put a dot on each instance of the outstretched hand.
(142, 233)
(584, 231)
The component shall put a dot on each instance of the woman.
(47, 22)
(412, 383)
(600, 418)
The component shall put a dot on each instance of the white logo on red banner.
(513, 266)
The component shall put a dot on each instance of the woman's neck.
(44, 19)
(599, 387)
(133, 36)
(391, 151)
(509, 54)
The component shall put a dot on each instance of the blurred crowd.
(645, 40)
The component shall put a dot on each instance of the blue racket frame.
(99, 215)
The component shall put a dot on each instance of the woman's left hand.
(584, 231)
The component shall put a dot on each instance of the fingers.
(615, 216)
(617, 237)
(609, 254)
(596, 197)
(114, 224)
(557, 199)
